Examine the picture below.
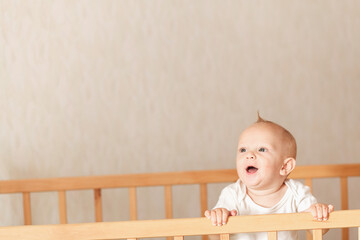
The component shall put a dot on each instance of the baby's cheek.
(239, 167)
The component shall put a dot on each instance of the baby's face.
(260, 156)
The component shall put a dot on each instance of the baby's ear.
(288, 166)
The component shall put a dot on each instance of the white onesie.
(296, 199)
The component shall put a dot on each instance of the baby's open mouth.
(251, 169)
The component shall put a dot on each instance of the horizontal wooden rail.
(326, 171)
(159, 179)
(180, 227)
(117, 181)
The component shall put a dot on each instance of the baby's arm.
(321, 212)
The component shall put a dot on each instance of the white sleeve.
(305, 198)
(227, 200)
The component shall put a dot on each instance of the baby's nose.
(250, 155)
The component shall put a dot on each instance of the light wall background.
(119, 87)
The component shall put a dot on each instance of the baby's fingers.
(327, 209)
(321, 212)
(216, 216)
(213, 217)
(225, 217)
(233, 212)
(318, 212)
(325, 213)
(315, 210)
(220, 214)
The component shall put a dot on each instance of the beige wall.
(111, 87)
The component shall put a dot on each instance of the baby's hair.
(260, 119)
(292, 148)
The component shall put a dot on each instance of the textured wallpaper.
(112, 87)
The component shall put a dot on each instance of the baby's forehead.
(271, 132)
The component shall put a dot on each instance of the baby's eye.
(262, 149)
(242, 150)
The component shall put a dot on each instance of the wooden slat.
(62, 207)
(272, 235)
(133, 203)
(344, 203)
(168, 202)
(27, 208)
(179, 227)
(344, 193)
(160, 179)
(317, 234)
(309, 235)
(98, 205)
(203, 198)
(308, 182)
(203, 203)
(224, 237)
(358, 233)
(179, 238)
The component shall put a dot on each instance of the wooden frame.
(167, 180)
(179, 228)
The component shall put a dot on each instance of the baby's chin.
(256, 182)
(251, 180)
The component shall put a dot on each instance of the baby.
(265, 157)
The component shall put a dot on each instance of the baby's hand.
(321, 211)
(219, 216)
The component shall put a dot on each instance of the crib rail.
(167, 180)
(160, 179)
(184, 227)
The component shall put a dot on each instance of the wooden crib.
(197, 226)
(178, 228)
